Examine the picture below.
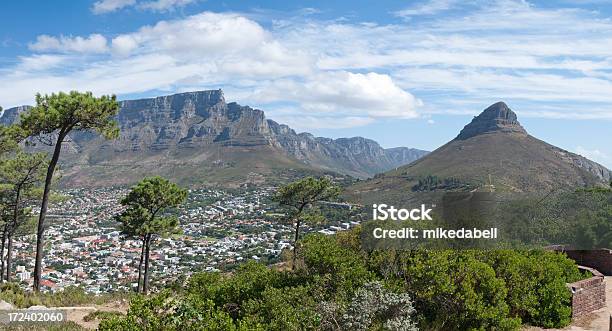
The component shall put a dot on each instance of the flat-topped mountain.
(492, 152)
(197, 137)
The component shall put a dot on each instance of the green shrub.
(163, 312)
(536, 285)
(100, 315)
(372, 307)
(70, 296)
(340, 270)
(340, 286)
(281, 309)
(453, 290)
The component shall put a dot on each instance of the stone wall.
(588, 295)
(600, 259)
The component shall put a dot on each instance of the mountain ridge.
(492, 152)
(200, 127)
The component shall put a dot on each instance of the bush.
(372, 307)
(100, 315)
(340, 270)
(70, 296)
(536, 285)
(453, 290)
(291, 308)
(162, 312)
(341, 287)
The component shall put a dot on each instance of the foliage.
(337, 268)
(146, 215)
(580, 219)
(63, 112)
(44, 326)
(70, 296)
(10, 136)
(303, 194)
(342, 287)
(371, 307)
(456, 283)
(163, 312)
(432, 183)
(536, 285)
(101, 314)
(53, 118)
(146, 203)
(289, 308)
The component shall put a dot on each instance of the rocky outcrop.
(496, 118)
(500, 118)
(11, 115)
(198, 123)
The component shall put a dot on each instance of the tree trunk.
(4, 233)
(295, 243)
(9, 255)
(145, 285)
(9, 258)
(142, 251)
(43, 212)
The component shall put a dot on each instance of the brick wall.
(600, 259)
(588, 294)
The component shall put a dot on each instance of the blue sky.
(408, 73)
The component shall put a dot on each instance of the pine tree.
(300, 195)
(147, 215)
(53, 118)
(21, 176)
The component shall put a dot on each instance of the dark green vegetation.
(21, 175)
(581, 219)
(433, 183)
(301, 195)
(51, 121)
(341, 287)
(146, 216)
(100, 314)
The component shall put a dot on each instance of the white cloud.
(107, 6)
(455, 63)
(164, 5)
(428, 8)
(40, 62)
(305, 123)
(343, 92)
(123, 45)
(95, 43)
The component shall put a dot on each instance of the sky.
(404, 73)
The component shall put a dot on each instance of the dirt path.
(597, 321)
(77, 314)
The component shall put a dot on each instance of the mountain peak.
(498, 117)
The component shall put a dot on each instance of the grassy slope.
(515, 162)
(227, 167)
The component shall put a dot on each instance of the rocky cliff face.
(195, 125)
(10, 116)
(499, 118)
(496, 118)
